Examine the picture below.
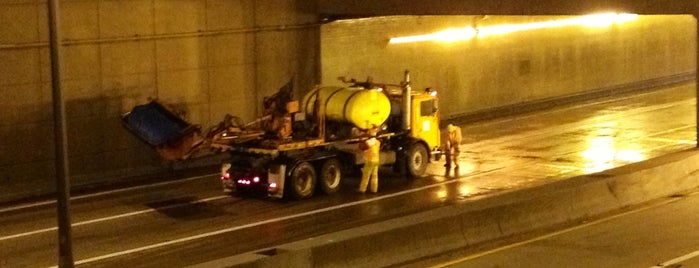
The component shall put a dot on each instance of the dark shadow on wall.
(102, 153)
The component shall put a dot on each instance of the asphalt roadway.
(189, 222)
(660, 234)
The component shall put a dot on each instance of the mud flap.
(275, 181)
(226, 181)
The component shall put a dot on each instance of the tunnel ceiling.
(353, 8)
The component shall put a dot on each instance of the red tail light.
(249, 180)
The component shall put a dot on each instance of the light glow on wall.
(448, 36)
(466, 33)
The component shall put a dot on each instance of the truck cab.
(425, 119)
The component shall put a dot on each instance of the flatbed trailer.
(302, 168)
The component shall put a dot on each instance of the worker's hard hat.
(450, 127)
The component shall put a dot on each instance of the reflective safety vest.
(454, 135)
(372, 153)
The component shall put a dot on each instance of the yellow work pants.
(370, 171)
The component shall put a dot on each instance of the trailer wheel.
(417, 160)
(302, 181)
(330, 176)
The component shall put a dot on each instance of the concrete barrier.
(462, 225)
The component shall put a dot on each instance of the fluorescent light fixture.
(466, 33)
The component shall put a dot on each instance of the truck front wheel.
(302, 181)
(330, 176)
(416, 161)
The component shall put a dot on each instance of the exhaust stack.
(407, 91)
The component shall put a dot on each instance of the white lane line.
(677, 260)
(680, 259)
(111, 218)
(45, 203)
(274, 220)
(585, 124)
(557, 233)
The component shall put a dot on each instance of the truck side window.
(428, 108)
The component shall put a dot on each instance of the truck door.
(425, 119)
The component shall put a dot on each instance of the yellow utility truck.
(299, 148)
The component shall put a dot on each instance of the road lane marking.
(111, 218)
(279, 219)
(564, 231)
(680, 259)
(582, 105)
(677, 260)
(39, 231)
(45, 203)
(584, 124)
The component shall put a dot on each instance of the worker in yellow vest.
(370, 171)
(452, 145)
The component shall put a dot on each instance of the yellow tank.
(359, 106)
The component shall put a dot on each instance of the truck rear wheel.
(330, 176)
(302, 181)
(416, 162)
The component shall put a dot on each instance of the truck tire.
(416, 161)
(330, 176)
(302, 181)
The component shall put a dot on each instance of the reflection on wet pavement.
(534, 149)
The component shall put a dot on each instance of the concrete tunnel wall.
(507, 69)
(212, 57)
(205, 57)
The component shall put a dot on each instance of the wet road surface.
(190, 221)
(661, 234)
